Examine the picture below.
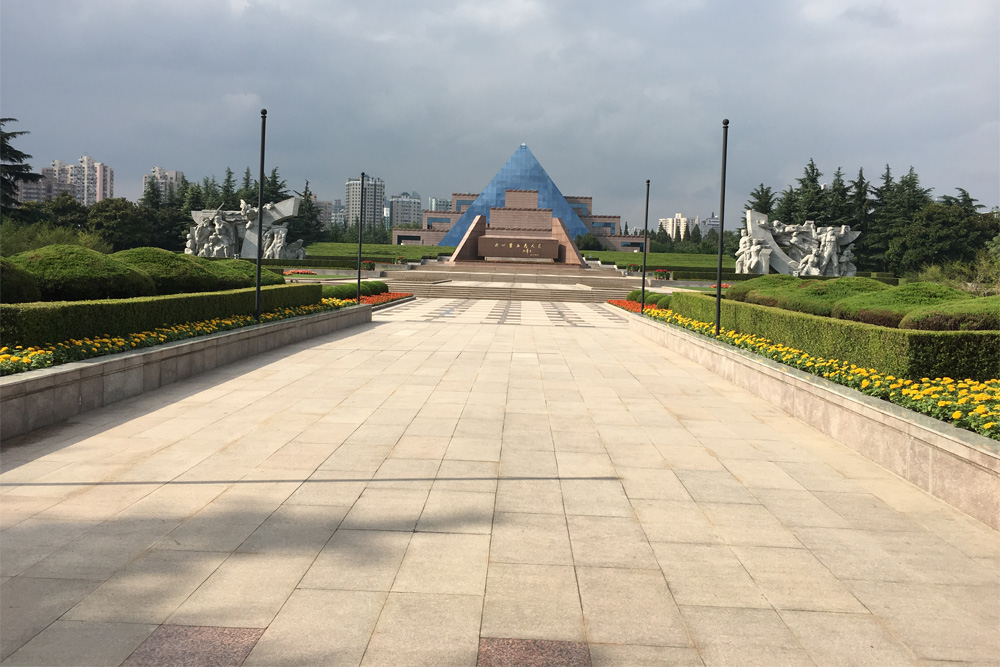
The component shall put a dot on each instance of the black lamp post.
(722, 219)
(645, 244)
(361, 224)
(260, 215)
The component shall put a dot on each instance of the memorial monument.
(221, 233)
(799, 250)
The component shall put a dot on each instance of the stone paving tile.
(707, 575)
(444, 563)
(530, 601)
(193, 645)
(319, 627)
(29, 605)
(503, 652)
(358, 560)
(608, 542)
(73, 643)
(821, 635)
(541, 539)
(734, 636)
(629, 607)
(426, 629)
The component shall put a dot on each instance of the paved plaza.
(508, 483)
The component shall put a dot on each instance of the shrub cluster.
(76, 273)
(17, 285)
(350, 290)
(872, 301)
(44, 323)
(651, 297)
(904, 353)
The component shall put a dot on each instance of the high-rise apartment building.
(89, 182)
(325, 212)
(677, 225)
(166, 181)
(374, 200)
(439, 204)
(406, 209)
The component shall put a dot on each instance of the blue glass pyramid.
(522, 172)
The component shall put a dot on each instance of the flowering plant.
(19, 359)
(384, 297)
(400, 260)
(970, 404)
(300, 272)
(633, 267)
(367, 265)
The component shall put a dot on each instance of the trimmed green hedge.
(172, 273)
(350, 290)
(889, 307)
(905, 353)
(75, 273)
(806, 296)
(47, 323)
(962, 315)
(239, 273)
(17, 285)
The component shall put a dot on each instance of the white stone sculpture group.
(221, 233)
(799, 250)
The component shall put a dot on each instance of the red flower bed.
(300, 272)
(631, 306)
(384, 297)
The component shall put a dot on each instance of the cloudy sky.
(434, 96)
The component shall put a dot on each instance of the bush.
(900, 352)
(172, 273)
(887, 308)
(814, 296)
(772, 281)
(343, 291)
(377, 286)
(42, 324)
(634, 295)
(75, 273)
(961, 315)
(238, 273)
(17, 285)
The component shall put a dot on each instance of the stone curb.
(31, 400)
(960, 467)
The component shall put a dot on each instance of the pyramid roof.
(522, 172)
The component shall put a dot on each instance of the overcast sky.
(435, 96)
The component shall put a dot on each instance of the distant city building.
(325, 212)
(438, 204)
(711, 222)
(89, 182)
(167, 182)
(406, 209)
(374, 200)
(339, 215)
(677, 224)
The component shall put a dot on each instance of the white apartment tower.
(406, 209)
(676, 224)
(374, 200)
(166, 181)
(89, 182)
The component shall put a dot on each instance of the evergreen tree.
(194, 199)
(694, 234)
(120, 223)
(151, 197)
(274, 188)
(787, 204)
(838, 204)
(963, 200)
(65, 211)
(762, 199)
(306, 225)
(874, 242)
(211, 192)
(14, 167)
(227, 192)
(936, 234)
(859, 200)
(810, 196)
(248, 188)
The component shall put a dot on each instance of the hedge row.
(46, 323)
(904, 353)
(350, 290)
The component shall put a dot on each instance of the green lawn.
(389, 251)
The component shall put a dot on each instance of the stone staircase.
(450, 290)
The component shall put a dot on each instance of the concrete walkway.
(441, 487)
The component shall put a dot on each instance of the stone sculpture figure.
(221, 233)
(804, 249)
(743, 253)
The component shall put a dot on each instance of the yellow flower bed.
(968, 404)
(20, 359)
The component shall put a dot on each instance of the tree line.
(903, 228)
(158, 219)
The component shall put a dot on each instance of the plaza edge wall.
(40, 398)
(957, 466)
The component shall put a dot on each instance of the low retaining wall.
(38, 398)
(960, 467)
